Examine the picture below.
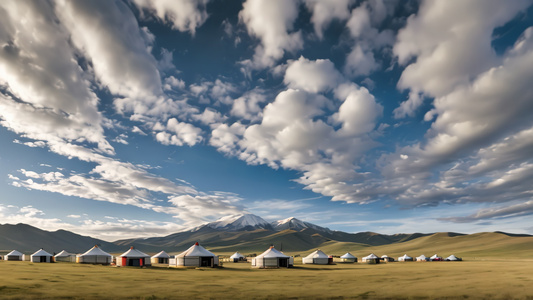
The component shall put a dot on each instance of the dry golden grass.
(410, 280)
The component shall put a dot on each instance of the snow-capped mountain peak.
(240, 222)
(295, 224)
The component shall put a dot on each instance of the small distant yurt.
(405, 257)
(134, 258)
(435, 258)
(371, 259)
(386, 258)
(237, 257)
(95, 255)
(14, 255)
(41, 256)
(195, 256)
(272, 258)
(160, 258)
(318, 258)
(348, 258)
(422, 258)
(453, 258)
(65, 256)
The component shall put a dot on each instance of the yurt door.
(206, 261)
(284, 262)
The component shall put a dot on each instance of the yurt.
(95, 255)
(386, 258)
(160, 258)
(14, 255)
(134, 257)
(422, 258)
(371, 259)
(195, 256)
(65, 256)
(237, 257)
(41, 256)
(435, 258)
(318, 258)
(348, 258)
(405, 257)
(453, 258)
(272, 258)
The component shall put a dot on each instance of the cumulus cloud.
(324, 12)
(271, 21)
(248, 106)
(183, 15)
(312, 76)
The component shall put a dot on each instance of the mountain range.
(249, 233)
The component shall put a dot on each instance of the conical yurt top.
(132, 252)
(405, 256)
(195, 251)
(41, 252)
(371, 256)
(384, 256)
(348, 255)
(236, 255)
(63, 254)
(272, 253)
(435, 256)
(422, 257)
(14, 253)
(317, 254)
(95, 251)
(161, 254)
(452, 257)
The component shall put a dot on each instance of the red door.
(124, 261)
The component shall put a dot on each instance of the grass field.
(411, 280)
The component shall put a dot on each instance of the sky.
(141, 118)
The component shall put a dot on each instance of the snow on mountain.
(240, 222)
(295, 224)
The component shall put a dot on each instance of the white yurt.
(134, 257)
(348, 258)
(14, 255)
(422, 258)
(65, 256)
(453, 258)
(95, 255)
(387, 258)
(41, 256)
(160, 258)
(371, 259)
(195, 256)
(435, 257)
(405, 257)
(272, 258)
(236, 257)
(318, 258)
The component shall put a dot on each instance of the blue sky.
(140, 118)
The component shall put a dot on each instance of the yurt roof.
(14, 253)
(132, 252)
(236, 255)
(422, 256)
(95, 251)
(63, 254)
(348, 255)
(41, 252)
(195, 251)
(452, 257)
(435, 256)
(405, 256)
(317, 254)
(272, 253)
(372, 256)
(384, 256)
(161, 254)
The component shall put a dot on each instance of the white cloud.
(183, 15)
(312, 76)
(172, 82)
(247, 107)
(324, 12)
(271, 21)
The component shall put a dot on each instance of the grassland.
(512, 279)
